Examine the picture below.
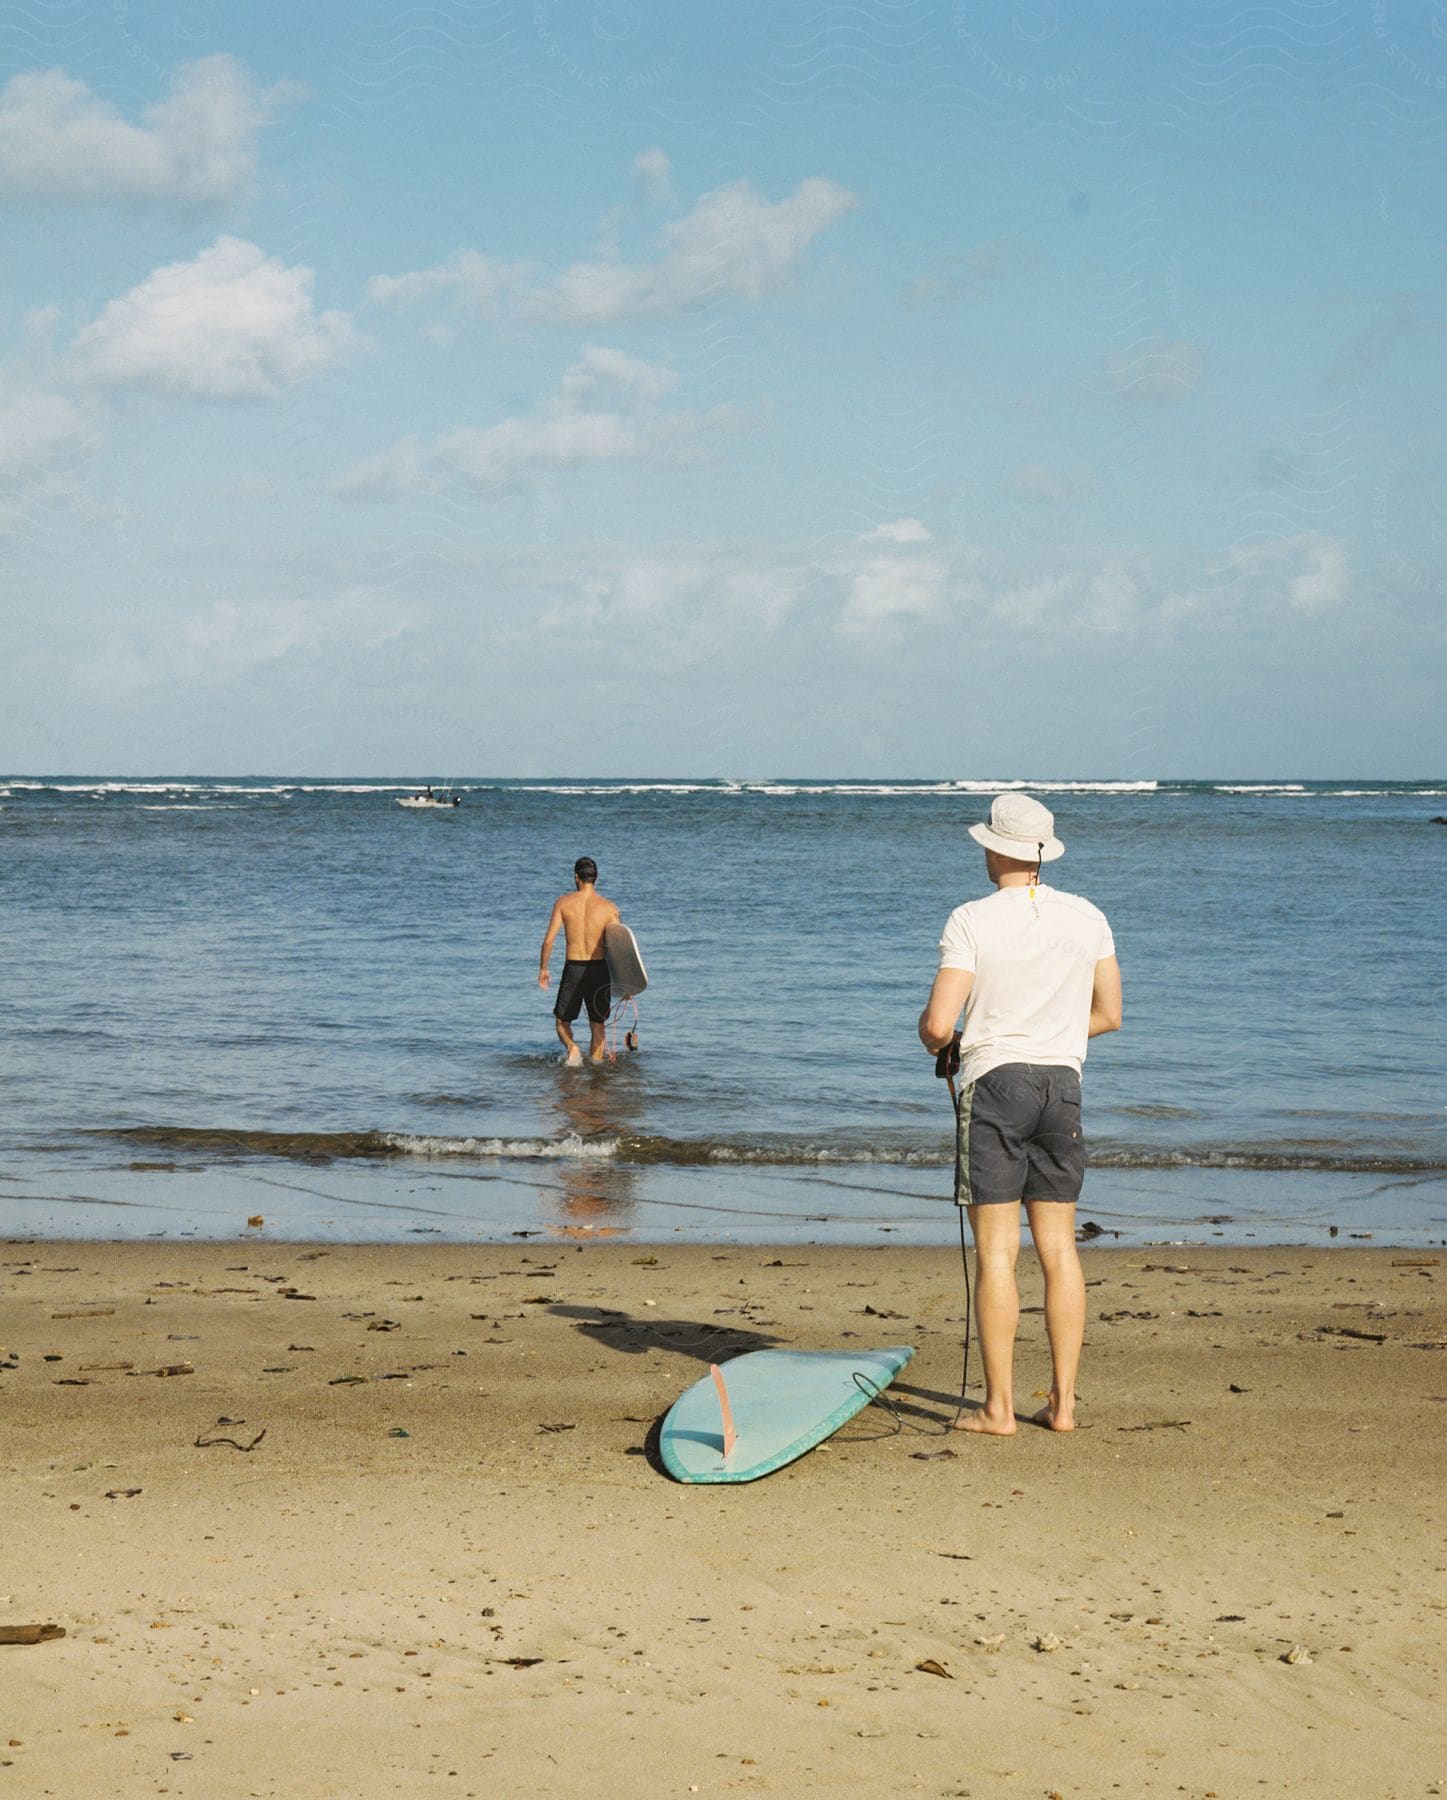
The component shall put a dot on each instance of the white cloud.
(233, 637)
(235, 324)
(1309, 570)
(37, 431)
(478, 282)
(61, 142)
(1045, 486)
(43, 437)
(501, 453)
(887, 594)
(601, 368)
(1154, 372)
(733, 245)
(759, 599)
(653, 173)
(649, 585)
(1116, 594)
(1322, 583)
(917, 599)
(689, 605)
(898, 576)
(957, 280)
(892, 584)
(606, 410)
(897, 531)
(402, 470)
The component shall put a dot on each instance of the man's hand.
(947, 1061)
(543, 978)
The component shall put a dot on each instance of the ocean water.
(254, 987)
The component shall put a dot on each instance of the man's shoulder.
(962, 914)
(981, 905)
(1079, 904)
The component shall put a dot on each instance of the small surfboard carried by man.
(582, 916)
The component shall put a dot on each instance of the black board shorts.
(1020, 1136)
(584, 984)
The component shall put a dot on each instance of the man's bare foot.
(992, 1424)
(597, 1056)
(574, 1058)
(1055, 1417)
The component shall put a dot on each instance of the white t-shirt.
(1033, 956)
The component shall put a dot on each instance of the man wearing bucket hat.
(1035, 973)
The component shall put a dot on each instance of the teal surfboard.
(772, 1406)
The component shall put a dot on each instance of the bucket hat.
(1020, 827)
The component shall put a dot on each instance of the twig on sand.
(30, 1634)
(205, 1443)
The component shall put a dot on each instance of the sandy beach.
(452, 1565)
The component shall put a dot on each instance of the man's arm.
(946, 1002)
(549, 938)
(1105, 999)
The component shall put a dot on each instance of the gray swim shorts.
(1020, 1136)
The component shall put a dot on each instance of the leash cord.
(861, 1381)
(878, 1397)
(965, 1265)
(942, 1068)
(615, 1019)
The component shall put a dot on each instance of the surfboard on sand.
(764, 1409)
(626, 974)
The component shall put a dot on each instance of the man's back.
(1033, 953)
(586, 914)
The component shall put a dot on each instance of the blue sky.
(903, 389)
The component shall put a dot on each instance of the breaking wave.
(780, 1152)
(171, 793)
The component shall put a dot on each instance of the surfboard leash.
(876, 1396)
(630, 1036)
(947, 1066)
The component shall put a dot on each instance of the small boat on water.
(427, 801)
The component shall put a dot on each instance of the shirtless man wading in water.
(582, 916)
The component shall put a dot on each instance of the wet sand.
(464, 1573)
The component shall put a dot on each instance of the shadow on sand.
(708, 1343)
(898, 1409)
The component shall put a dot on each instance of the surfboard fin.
(730, 1436)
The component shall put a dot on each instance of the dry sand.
(511, 1599)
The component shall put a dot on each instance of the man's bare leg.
(597, 1049)
(997, 1314)
(1052, 1226)
(569, 1043)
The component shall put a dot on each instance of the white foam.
(613, 787)
(566, 1149)
(787, 789)
(1058, 787)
